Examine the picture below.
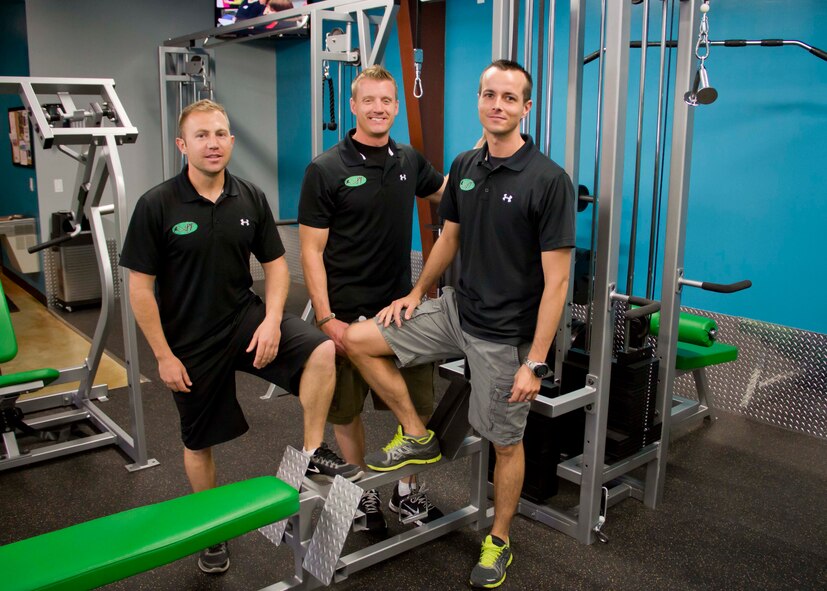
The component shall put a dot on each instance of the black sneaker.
(414, 508)
(371, 505)
(215, 559)
(325, 465)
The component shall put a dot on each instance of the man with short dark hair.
(510, 211)
(355, 217)
(188, 251)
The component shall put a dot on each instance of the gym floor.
(742, 507)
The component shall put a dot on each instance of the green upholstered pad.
(691, 356)
(8, 344)
(691, 328)
(111, 548)
(47, 376)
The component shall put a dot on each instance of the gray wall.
(119, 40)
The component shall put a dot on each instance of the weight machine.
(59, 120)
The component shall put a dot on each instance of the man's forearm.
(276, 287)
(442, 254)
(148, 317)
(315, 276)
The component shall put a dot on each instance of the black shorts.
(210, 413)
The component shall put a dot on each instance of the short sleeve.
(556, 214)
(428, 178)
(143, 245)
(268, 245)
(316, 205)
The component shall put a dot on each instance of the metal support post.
(618, 17)
(679, 169)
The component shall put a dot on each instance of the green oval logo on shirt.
(466, 184)
(355, 181)
(184, 228)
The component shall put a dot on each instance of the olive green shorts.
(351, 391)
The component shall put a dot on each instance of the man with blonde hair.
(355, 218)
(188, 253)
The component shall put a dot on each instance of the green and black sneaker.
(403, 450)
(495, 557)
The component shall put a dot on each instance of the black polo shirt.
(368, 210)
(199, 253)
(508, 215)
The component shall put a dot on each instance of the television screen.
(228, 12)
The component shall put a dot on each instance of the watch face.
(541, 370)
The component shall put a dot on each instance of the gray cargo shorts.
(434, 333)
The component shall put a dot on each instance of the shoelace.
(418, 496)
(325, 455)
(398, 439)
(370, 501)
(490, 553)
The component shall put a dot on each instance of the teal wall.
(17, 197)
(758, 178)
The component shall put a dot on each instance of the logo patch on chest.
(184, 228)
(466, 184)
(355, 181)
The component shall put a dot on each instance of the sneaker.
(414, 508)
(371, 505)
(403, 450)
(215, 559)
(325, 465)
(495, 557)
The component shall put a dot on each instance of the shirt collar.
(517, 161)
(351, 155)
(188, 193)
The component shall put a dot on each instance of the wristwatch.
(539, 368)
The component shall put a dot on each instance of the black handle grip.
(735, 43)
(650, 308)
(49, 243)
(772, 42)
(727, 287)
(818, 53)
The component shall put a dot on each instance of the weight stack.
(632, 397)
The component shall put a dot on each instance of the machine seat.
(690, 357)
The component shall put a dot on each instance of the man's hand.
(526, 385)
(266, 342)
(335, 329)
(174, 374)
(393, 313)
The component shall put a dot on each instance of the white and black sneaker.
(371, 505)
(414, 508)
(215, 559)
(325, 465)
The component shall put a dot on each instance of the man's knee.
(507, 452)
(364, 338)
(323, 358)
(199, 454)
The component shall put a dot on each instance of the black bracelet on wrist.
(327, 318)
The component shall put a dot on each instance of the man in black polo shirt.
(188, 251)
(510, 210)
(355, 217)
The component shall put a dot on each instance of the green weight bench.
(108, 549)
(697, 349)
(14, 384)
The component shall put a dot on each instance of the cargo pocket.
(507, 419)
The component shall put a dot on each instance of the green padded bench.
(697, 349)
(14, 384)
(108, 549)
